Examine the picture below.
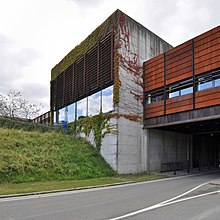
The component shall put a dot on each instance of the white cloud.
(36, 34)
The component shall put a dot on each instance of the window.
(82, 109)
(94, 104)
(107, 99)
(187, 91)
(217, 82)
(71, 112)
(174, 94)
(63, 114)
(181, 88)
(89, 106)
(154, 96)
(208, 80)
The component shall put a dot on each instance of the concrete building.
(160, 106)
(182, 105)
(104, 74)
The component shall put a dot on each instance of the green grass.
(36, 156)
(34, 161)
(16, 188)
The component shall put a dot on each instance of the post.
(57, 117)
(174, 168)
(188, 166)
(188, 154)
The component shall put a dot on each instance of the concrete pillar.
(57, 116)
(146, 148)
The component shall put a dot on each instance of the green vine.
(99, 124)
(117, 82)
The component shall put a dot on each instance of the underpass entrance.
(205, 152)
(192, 145)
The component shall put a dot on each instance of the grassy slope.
(36, 156)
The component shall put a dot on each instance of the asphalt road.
(149, 200)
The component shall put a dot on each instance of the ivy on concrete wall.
(117, 82)
(98, 124)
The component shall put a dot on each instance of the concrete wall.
(165, 146)
(131, 148)
(109, 148)
(126, 150)
(137, 44)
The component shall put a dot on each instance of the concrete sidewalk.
(191, 172)
(215, 182)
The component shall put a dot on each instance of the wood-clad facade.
(184, 79)
(90, 73)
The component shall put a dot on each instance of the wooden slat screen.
(79, 85)
(105, 70)
(90, 73)
(68, 89)
(92, 69)
(53, 94)
(60, 90)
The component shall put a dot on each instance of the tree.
(13, 105)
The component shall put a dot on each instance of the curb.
(63, 190)
(215, 182)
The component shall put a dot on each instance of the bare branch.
(13, 105)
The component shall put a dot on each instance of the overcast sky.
(36, 34)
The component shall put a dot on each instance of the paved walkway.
(192, 171)
(196, 171)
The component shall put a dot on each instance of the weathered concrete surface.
(137, 44)
(126, 150)
(166, 147)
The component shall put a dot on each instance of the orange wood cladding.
(208, 33)
(179, 66)
(204, 38)
(154, 109)
(179, 63)
(175, 52)
(207, 51)
(208, 97)
(154, 73)
(179, 104)
(209, 47)
(154, 61)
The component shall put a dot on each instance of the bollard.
(188, 166)
(174, 168)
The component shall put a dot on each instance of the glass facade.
(107, 99)
(154, 96)
(208, 80)
(101, 101)
(180, 88)
(94, 104)
(82, 109)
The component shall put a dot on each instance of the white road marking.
(168, 202)
(183, 194)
